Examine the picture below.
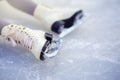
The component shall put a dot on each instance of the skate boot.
(59, 20)
(40, 43)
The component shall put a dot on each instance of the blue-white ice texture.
(91, 52)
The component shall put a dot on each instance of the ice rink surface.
(91, 52)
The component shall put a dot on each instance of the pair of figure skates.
(42, 44)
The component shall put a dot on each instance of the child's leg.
(27, 6)
(59, 20)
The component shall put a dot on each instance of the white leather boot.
(60, 20)
(41, 44)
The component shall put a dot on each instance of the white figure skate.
(41, 44)
(60, 20)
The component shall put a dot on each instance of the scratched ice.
(91, 52)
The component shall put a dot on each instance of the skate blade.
(77, 22)
(53, 50)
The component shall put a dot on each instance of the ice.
(91, 52)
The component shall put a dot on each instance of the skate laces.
(15, 40)
(24, 40)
